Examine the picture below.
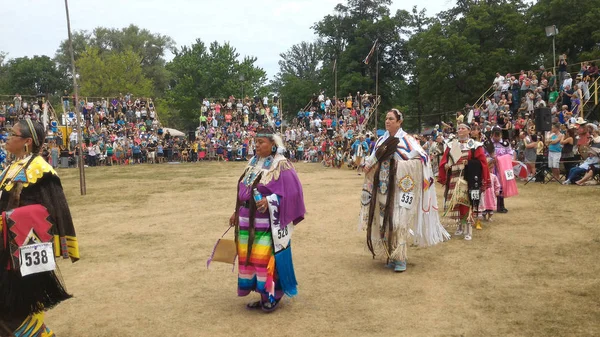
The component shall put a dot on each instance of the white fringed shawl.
(423, 222)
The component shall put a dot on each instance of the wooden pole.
(376, 86)
(79, 131)
(336, 95)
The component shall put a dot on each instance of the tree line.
(429, 66)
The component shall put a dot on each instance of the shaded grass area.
(146, 232)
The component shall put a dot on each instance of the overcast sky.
(262, 28)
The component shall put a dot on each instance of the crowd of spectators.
(13, 109)
(126, 130)
(113, 135)
(512, 107)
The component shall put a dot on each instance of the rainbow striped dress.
(258, 272)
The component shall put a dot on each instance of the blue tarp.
(380, 133)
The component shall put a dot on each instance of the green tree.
(3, 70)
(149, 47)
(299, 75)
(349, 35)
(32, 76)
(213, 72)
(81, 41)
(576, 21)
(455, 56)
(111, 73)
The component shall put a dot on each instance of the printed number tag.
(474, 194)
(282, 233)
(406, 199)
(37, 258)
(510, 175)
(282, 236)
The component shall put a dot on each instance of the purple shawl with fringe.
(289, 190)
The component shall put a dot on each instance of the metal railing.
(372, 112)
(483, 96)
(594, 95)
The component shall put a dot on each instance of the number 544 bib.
(281, 235)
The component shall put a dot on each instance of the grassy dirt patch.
(146, 231)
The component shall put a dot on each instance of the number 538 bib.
(36, 258)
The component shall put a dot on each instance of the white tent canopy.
(173, 132)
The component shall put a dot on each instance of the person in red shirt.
(520, 123)
(322, 149)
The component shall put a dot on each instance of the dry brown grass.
(146, 231)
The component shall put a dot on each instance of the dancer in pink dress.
(488, 203)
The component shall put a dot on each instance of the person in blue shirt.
(349, 134)
(160, 153)
(562, 114)
(136, 150)
(244, 151)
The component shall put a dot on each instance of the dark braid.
(372, 210)
(251, 218)
(389, 209)
(238, 203)
(385, 152)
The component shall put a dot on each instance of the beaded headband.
(266, 133)
(34, 136)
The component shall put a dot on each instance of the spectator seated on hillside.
(591, 164)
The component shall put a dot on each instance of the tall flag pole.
(376, 89)
(335, 100)
(374, 50)
(371, 52)
(80, 162)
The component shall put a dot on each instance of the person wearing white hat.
(593, 170)
(590, 163)
(583, 139)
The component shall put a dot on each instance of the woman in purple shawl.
(269, 204)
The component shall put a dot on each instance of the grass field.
(145, 233)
